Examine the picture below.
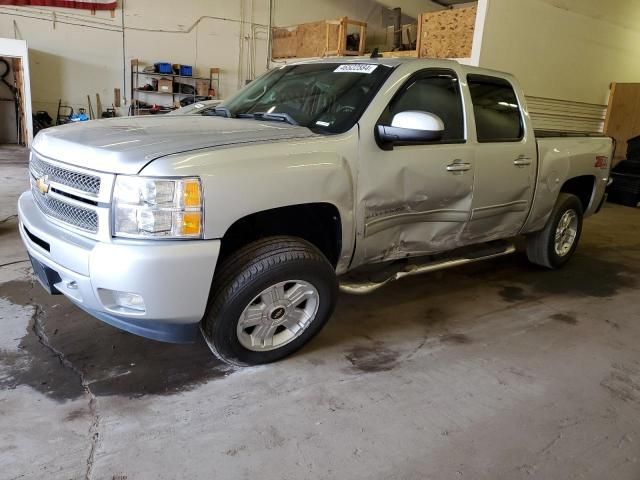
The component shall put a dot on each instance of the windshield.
(326, 96)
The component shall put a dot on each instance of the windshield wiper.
(223, 112)
(282, 117)
(275, 116)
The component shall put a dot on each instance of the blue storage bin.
(186, 70)
(162, 67)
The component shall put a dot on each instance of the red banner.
(85, 5)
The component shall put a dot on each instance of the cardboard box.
(165, 85)
(202, 87)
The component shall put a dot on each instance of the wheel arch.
(319, 223)
(583, 187)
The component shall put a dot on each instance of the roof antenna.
(375, 53)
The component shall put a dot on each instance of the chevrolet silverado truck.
(323, 175)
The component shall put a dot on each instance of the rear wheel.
(269, 299)
(555, 244)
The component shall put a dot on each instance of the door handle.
(522, 161)
(458, 166)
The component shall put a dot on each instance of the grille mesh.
(80, 181)
(79, 217)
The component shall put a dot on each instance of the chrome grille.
(79, 181)
(79, 217)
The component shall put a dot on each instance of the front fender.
(243, 180)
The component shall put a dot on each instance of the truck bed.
(558, 133)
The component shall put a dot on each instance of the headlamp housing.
(145, 207)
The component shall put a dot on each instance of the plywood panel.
(623, 115)
(447, 33)
(312, 39)
(285, 42)
(304, 40)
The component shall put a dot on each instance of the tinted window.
(437, 92)
(496, 109)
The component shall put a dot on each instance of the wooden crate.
(316, 39)
(443, 34)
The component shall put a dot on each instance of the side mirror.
(410, 127)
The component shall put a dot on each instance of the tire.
(289, 270)
(541, 246)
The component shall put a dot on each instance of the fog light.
(122, 301)
(129, 300)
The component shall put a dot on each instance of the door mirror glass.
(410, 127)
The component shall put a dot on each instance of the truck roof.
(395, 61)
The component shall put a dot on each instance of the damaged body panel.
(407, 209)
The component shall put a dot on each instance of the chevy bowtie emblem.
(42, 184)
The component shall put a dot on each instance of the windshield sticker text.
(356, 68)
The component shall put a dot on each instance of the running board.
(362, 288)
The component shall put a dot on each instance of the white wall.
(75, 54)
(566, 49)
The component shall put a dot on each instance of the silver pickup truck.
(245, 222)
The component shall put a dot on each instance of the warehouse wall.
(570, 50)
(74, 53)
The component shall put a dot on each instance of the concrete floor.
(495, 371)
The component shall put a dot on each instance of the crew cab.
(318, 176)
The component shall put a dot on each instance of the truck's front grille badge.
(79, 217)
(80, 181)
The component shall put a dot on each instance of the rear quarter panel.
(559, 160)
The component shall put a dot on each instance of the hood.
(127, 144)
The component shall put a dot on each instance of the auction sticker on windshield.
(356, 68)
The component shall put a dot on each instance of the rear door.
(505, 160)
(416, 199)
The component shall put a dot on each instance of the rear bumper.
(172, 277)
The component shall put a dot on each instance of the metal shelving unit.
(213, 82)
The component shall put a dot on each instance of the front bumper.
(173, 277)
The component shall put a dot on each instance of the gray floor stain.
(372, 358)
(513, 294)
(113, 362)
(565, 318)
(455, 339)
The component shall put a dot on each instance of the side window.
(432, 91)
(496, 110)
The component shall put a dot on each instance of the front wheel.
(268, 299)
(555, 244)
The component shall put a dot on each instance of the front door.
(416, 199)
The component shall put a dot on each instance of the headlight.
(157, 207)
